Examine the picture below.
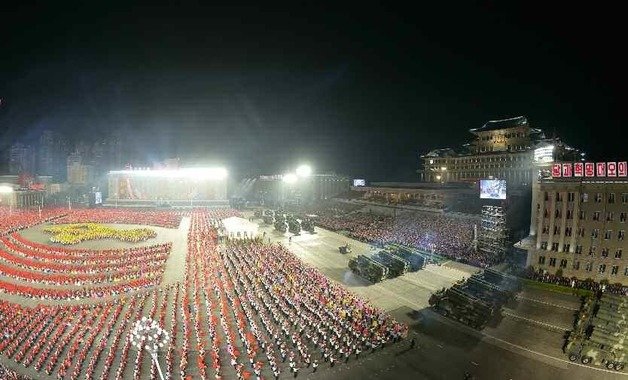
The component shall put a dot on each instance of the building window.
(546, 213)
(557, 214)
(598, 197)
(608, 234)
(559, 197)
(566, 247)
(546, 197)
(624, 198)
(592, 250)
(555, 247)
(589, 267)
(568, 231)
(622, 217)
(545, 229)
(584, 197)
(611, 198)
(621, 234)
(595, 233)
(556, 230)
(552, 262)
(569, 214)
(618, 253)
(602, 268)
(581, 231)
(614, 270)
(563, 263)
(571, 196)
(578, 249)
(583, 215)
(576, 265)
(544, 245)
(541, 260)
(604, 252)
(596, 216)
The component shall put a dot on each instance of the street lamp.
(148, 335)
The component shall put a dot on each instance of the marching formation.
(244, 309)
(75, 233)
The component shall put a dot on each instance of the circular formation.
(75, 233)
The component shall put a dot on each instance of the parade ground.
(526, 343)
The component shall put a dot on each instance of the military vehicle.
(600, 335)
(344, 249)
(281, 226)
(415, 261)
(294, 226)
(396, 266)
(459, 305)
(477, 300)
(368, 268)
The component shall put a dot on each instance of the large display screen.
(493, 189)
(359, 182)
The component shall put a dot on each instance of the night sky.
(359, 90)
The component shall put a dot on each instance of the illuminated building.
(508, 149)
(578, 227)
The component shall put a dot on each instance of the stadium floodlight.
(290, 178)
(148, 335)
(6, 189)
(304, 171)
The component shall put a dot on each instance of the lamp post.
(148, 335)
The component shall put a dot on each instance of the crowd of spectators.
(587, 284)
(443, 234)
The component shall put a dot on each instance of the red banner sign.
(578, 169)
(600, 169)
(589, 169)
(611, 169)
(556, 170)
(622, 169)
(567, 169)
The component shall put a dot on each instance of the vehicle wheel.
(610, 365)
(586, 360)
(573, 357)
(619, 366)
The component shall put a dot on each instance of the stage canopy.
(239, 228)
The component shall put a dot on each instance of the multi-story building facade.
(21, 159)
(78, 173)
(579, 228)
(503, 149)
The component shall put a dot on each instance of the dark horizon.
(358, 92)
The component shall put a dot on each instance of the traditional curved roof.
(519, 121)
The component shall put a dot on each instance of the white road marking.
(564, 361)
(546, 303)
(504, 312)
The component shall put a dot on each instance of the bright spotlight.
(290, 178)
(304, 171)
(6, 189)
